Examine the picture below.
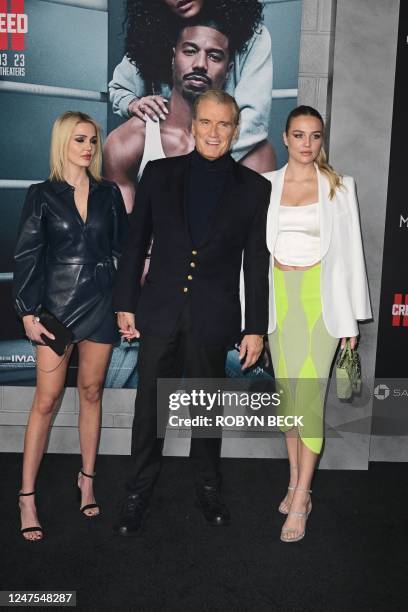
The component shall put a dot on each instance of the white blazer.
(344, 287)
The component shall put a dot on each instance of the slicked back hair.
(220, 96)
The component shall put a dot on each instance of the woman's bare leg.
(93, 361)
(291, 438)
(295, 524)
(48, 390)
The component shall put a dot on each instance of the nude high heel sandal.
(304, 515)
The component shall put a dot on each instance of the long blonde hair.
(334, 178)
(60, 135)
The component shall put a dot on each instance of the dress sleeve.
(120, 223)
(29, 256)
(125, 86)
(254, 74)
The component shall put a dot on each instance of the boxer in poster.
(201, 61)
(142, 81)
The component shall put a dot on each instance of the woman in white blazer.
(318, 291)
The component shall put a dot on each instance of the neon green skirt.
(302, 352)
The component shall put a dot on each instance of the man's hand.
(126, 324)
(251, 347)
(153, 106)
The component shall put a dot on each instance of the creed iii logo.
(13, 25)
(400, 310)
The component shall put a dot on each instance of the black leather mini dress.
(67, 265)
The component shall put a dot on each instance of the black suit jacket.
(207, 274)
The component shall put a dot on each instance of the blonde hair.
(334, 178)
(61, 133)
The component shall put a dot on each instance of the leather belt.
(81, 262)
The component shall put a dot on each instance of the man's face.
(214, 128)
(185, 8)
(201, 61)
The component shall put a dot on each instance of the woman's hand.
(153, 106)
(353, 342)
(34, 329)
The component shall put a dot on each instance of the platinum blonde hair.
(61, 133)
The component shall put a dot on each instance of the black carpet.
(354, 555)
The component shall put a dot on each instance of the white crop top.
(298, 241)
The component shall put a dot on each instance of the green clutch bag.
(348, 372)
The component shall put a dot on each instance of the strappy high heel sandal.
(31, 529)
(304, 515)
(281, 507)
(87, 506)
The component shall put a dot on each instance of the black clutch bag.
(63, 335)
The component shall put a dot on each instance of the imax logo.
(22, 359)
(13, 25)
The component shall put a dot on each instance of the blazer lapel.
(325, 212)
(272, 226)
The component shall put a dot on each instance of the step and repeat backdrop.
(99, 57)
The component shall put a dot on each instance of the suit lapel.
(177, 186)
(184, 187)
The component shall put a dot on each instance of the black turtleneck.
(205, 184)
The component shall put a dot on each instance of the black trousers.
(171, 358)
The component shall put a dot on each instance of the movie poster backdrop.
(391, 386)
(59, 55)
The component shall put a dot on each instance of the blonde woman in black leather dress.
(71, 232)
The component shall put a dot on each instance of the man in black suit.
(207, 214)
